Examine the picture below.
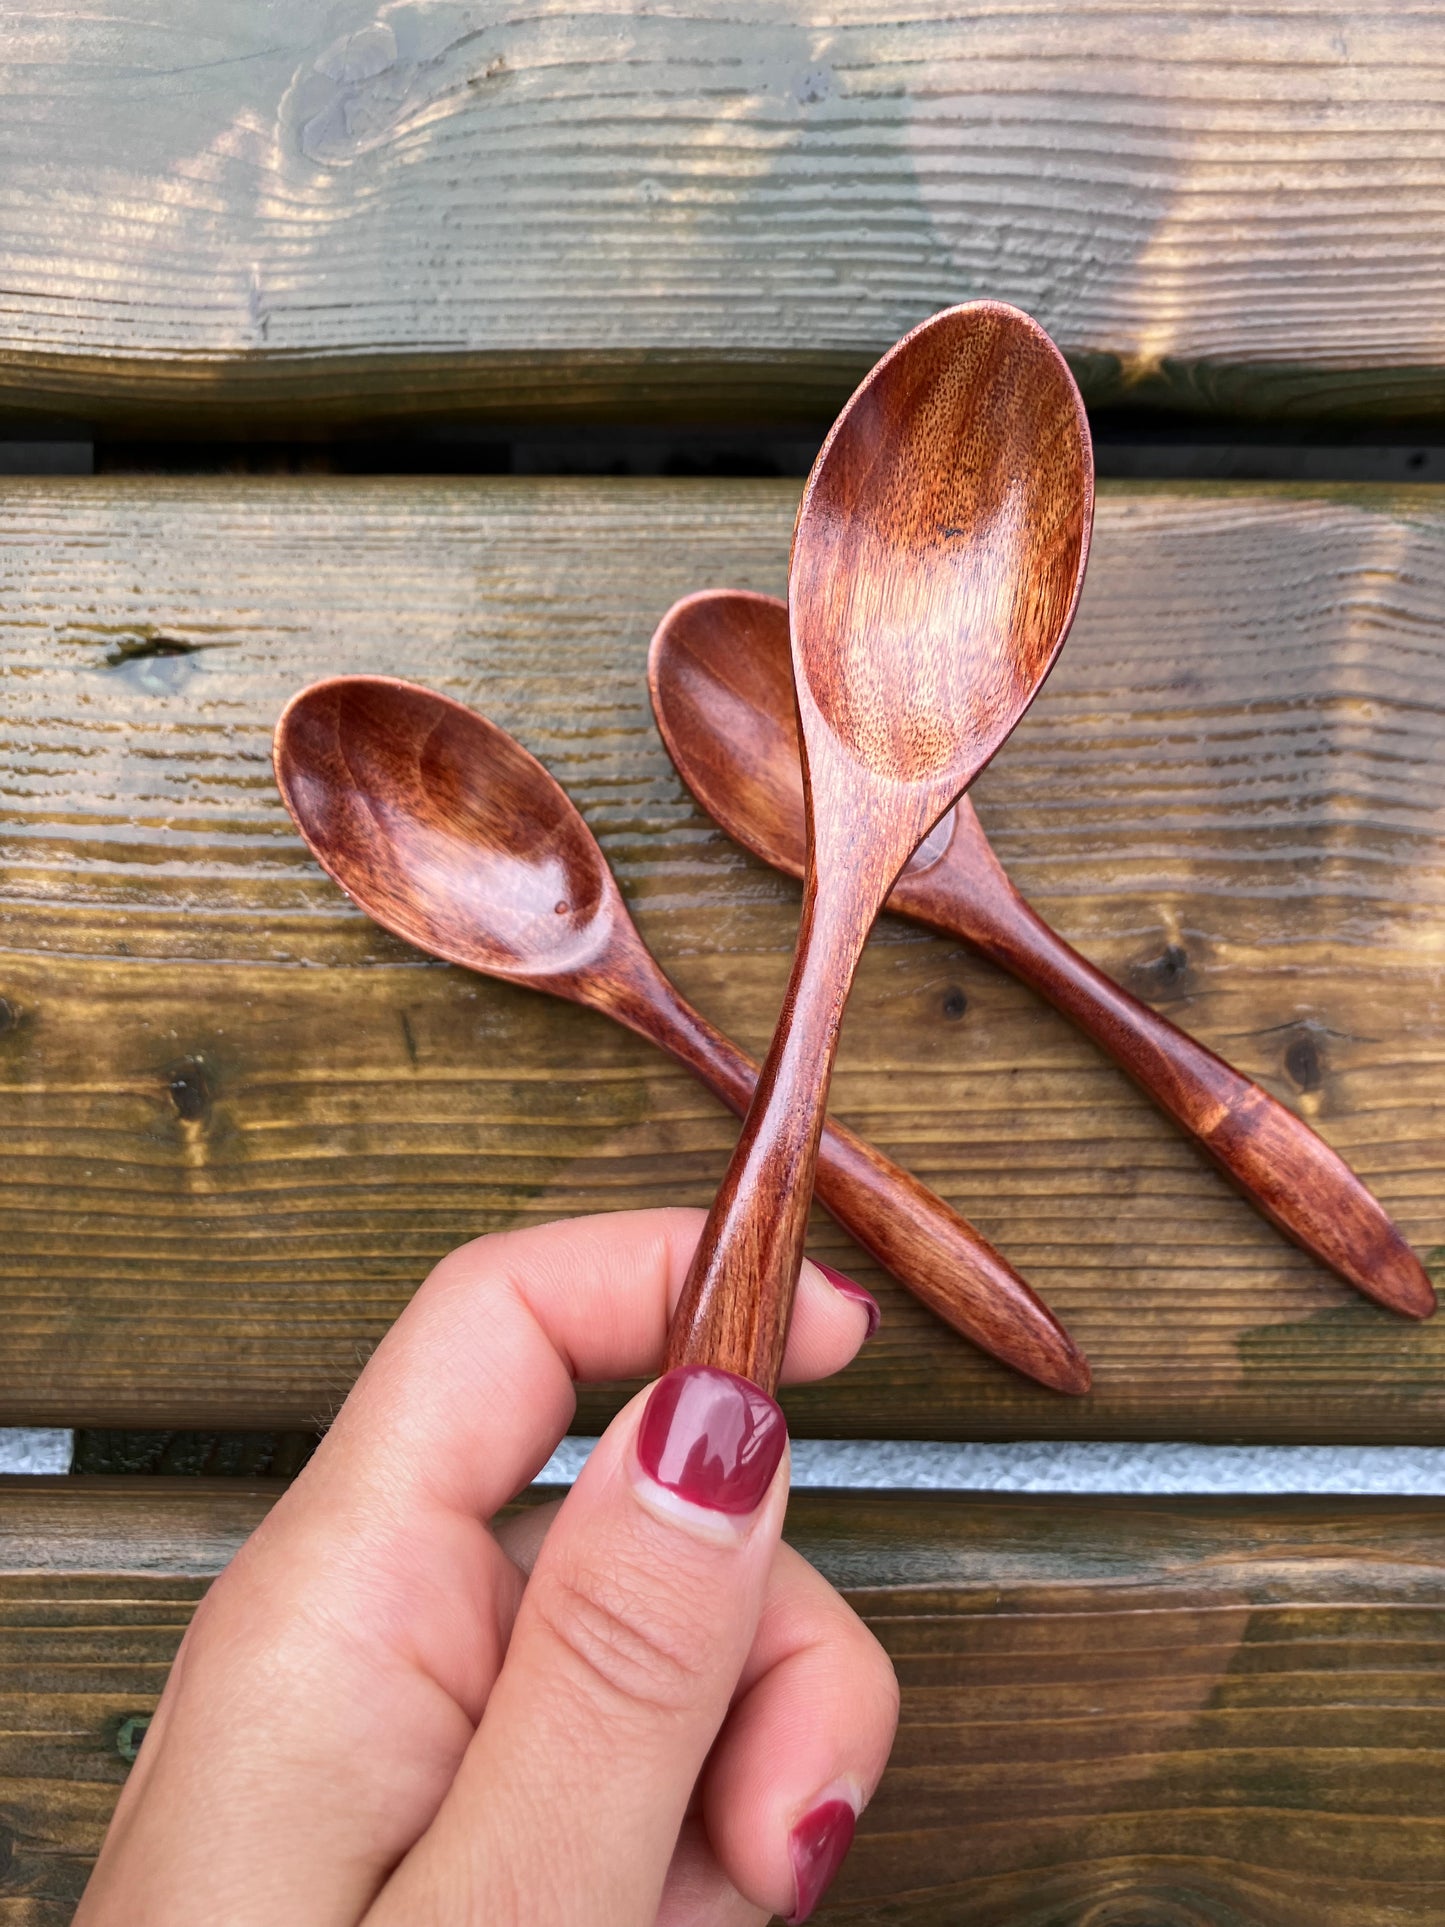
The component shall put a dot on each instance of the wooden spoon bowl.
(435, 820)
(940, 549)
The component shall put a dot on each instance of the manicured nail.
(711, 1438)
(817, 1847)
(850, 1288)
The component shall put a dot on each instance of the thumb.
(627, 1648)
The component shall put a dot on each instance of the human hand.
(636, 1706)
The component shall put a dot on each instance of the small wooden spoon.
(446, 832)
(721, 678)
(937, 561)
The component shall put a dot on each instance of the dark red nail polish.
(817, 1848)
(850, 1288)
(711, 1438)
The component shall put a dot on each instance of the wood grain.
(313, 213)
(239, 1123)
(1181, 1713)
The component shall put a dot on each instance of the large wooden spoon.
(937, 561)
(721, 677)
(447, 833)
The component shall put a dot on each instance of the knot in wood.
(1165, 975)
(1304, 1062)
(190, 1090)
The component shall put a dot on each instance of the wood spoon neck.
(864, 828)
(968, 894)
(639, 994)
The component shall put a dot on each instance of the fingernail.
(817, 1846)
(850, 1288)
(711, 1438)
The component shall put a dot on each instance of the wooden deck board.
(239, 1123)
(217, 210)
(1175, 1712)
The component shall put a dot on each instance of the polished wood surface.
(936, 565)
(720, 674)
(1160, 1713)
(239, 1122)
(442, 827)
(286, 216)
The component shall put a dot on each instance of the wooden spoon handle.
(738, 1296)
(1281, 1165)
(944, 1261)
(928, 1247)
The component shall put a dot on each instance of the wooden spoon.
(446, 832)
(722, 689)
(937, 561)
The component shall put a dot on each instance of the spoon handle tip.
(1277, 1160)
(947, 1265)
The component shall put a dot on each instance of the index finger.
(467, 1396)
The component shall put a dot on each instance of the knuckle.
(624, 1644)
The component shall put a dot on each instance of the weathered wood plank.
(239, 1123)
(317, 212)
(1164, 1714)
